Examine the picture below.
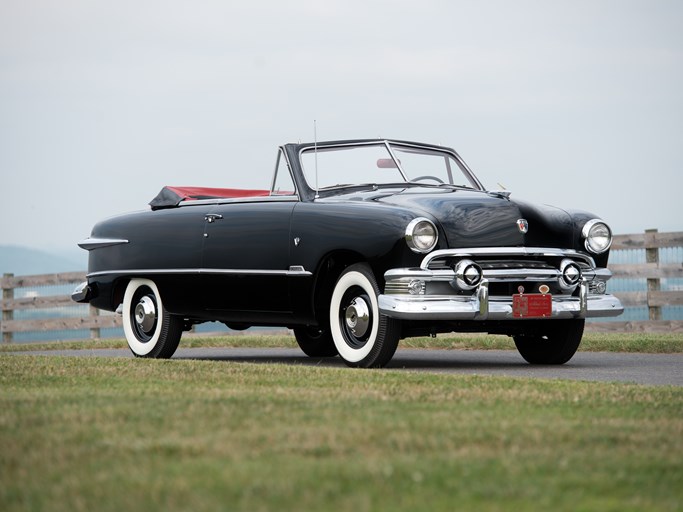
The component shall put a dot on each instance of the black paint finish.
(272, 260)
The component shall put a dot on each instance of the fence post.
(7, 314)
(95, 331)
(653, 284)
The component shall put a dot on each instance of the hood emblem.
(523, 225)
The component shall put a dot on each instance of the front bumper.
(435, 290)
(480, 306)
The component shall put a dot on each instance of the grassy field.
(129, 434)
(663, 343)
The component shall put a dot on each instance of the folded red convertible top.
(173, 196)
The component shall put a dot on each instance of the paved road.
(651, 369)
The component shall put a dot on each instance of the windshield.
(374, 164)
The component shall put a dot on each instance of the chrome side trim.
(298, 270)
(238, 200)
(97, 243)
(294, 271)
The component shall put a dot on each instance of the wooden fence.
(654, 298)
(94, 321)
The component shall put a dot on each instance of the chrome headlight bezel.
(597, 236)
(421, 235)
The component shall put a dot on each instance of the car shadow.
(408, 359)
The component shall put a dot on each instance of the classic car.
(354, 245)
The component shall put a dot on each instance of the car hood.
(480, 219)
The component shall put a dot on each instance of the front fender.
(374, 232)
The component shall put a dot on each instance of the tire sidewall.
(138, 347)
(352, 277)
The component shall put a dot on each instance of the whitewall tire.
(363, 337)
(150, 331)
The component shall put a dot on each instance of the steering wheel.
(438, 180)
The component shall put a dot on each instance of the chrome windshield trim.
(390, 144)
(506, 251)
(97, 243)
(397, 162)
(295, 271)
(283, 154)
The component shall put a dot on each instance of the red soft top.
(173, 196)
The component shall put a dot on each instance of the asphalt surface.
(648, 369)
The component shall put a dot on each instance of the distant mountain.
(22, 261)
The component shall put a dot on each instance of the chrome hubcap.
(358, 317)
(145, 314)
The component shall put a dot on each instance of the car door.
(245, 259)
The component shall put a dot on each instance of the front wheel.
(363, 337)
(150, 330)
(556, 347)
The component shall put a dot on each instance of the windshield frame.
(391, 146)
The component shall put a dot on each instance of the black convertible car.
(355, 245)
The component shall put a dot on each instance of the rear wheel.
(315, 342)
(556, 347)
(363, 337)
(150, 330)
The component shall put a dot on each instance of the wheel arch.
(119, 289)
(329, 269)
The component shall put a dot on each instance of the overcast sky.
(573, 103)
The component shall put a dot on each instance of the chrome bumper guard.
(82, 293)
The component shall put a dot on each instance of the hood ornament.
(523, 225)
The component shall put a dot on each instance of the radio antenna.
(315, 152)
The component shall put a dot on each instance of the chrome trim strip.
(397, 162)
(97, 243)
(232, 200)
(298, 270)
(495, 275)
(283, 154)
(295, 271)
(505, 251)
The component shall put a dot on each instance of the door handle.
(212, 217)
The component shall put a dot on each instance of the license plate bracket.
(532, 305)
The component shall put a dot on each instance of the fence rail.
(9, 304)
(654, 298)
(653, 271)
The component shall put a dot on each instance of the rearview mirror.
(386, 163)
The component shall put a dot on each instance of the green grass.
(130, 434)
(592, 341)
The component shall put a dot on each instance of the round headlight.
(421, 235)
(598, 236)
